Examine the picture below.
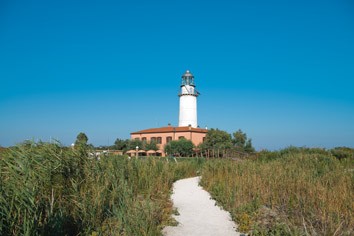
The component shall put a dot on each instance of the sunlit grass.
(47, 189)
(286, 193)
(50, 190)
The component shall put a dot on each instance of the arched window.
(168, 139)
(153, 139)
(181, 137)
(143, 139)
(159, 140)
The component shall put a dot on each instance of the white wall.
(188, 110)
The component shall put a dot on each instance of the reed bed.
(47, 189)
(285, 193)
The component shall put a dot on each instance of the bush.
(343, 152)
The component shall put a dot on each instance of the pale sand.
(198, 213)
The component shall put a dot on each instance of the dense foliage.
(219, 143)
(241, 142)
(181, 148)
(81, 139)
(131, 144)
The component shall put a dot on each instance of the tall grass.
(292, 192)
(47, 189)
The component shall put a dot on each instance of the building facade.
(164, 135)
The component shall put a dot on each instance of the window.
(159, 140)
(153, 139)
(137, 139)
(143, 139)
(203, 139)
(181, 137)
(168, 139)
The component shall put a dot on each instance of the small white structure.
(188, 101)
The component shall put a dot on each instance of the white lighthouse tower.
(188, 101)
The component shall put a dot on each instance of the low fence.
(223, 153)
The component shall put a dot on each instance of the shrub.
(343, 152)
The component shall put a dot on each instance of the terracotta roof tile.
(169, 129)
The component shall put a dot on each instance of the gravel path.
(198, 213)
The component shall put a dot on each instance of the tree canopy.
(221, 140)
(130, 144)
(133, 143)
(81, 139)
(182, 147)
(150, 145)
(217, 139)
(241, 142)
(121, 144)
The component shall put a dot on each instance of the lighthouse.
(186, 129)
(188, 101)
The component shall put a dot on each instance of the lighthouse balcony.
(194, 93)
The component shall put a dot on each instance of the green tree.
(216, 139)
(81, 140)
(121, 144)
(241, 142)
(82, 146)
(151, 145)
(133, 143)
(249, 147)
(239, 139)
(182, 147)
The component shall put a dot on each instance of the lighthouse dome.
(187, 74)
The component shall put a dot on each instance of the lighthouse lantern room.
(188, 101)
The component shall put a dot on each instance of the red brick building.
(164, 135)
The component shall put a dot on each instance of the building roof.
(171, 129)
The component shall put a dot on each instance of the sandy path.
(198, 214)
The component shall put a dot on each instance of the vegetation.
(150, 145)
(241, 142)
(47, 189)
(181, 148)
(81, 139)
(217, 139)
(120, 144)
(219, 143)
(2, 149)
(296, 191)
(130, 144)
(343, 152)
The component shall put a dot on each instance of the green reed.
(47, 189)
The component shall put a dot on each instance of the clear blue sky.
(282, 71)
